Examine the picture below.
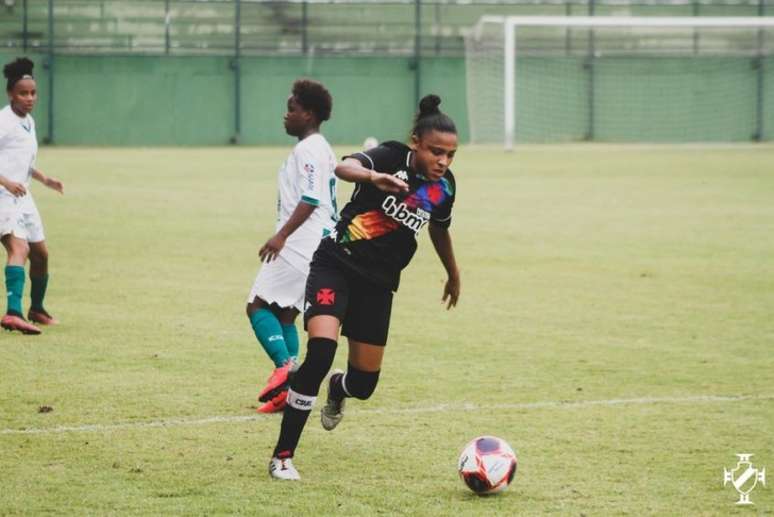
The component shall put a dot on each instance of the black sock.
(302, 394)
(293, 422)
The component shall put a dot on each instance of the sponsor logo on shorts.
(326, 296)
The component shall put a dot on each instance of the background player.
(306, 213)
(354, 273)
(21, 227)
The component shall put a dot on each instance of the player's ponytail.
(17, 70)
(430, 117)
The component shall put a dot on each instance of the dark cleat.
(41, 317)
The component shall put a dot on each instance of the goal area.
(533, 79)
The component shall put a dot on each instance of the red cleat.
(276, 382)
(276, 404)
(13, 322)
(42, 317)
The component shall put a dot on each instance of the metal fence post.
(759, 64)
(417, 51)
(237, 67)
(567, 40)
(49, 65)
(696, 11)
(437, 23)
(304, 27)
(167, 22)
(590, 58)
(25, 25)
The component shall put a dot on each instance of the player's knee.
(360, 384)
(18, 255)
(38, 261)
(319, 359)
(38, 256)
(253, 307)
(20, 249)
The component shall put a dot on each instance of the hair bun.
(18, 68)
(429, 105)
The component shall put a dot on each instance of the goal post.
(500, 48)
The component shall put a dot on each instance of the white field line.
(630, 146)
(438, 408)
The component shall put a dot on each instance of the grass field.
(616, 326)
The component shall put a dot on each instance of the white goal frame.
(512, 23)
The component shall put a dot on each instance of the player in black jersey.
(400, 189)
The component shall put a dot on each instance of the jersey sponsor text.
(401, 213)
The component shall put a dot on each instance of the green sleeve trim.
(310, 200)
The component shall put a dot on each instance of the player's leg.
(321, 350)
(367, 326)
(39, 283)
(268, 330)
(286, 317)
(17, 251)
(326, 300)
(359, 381)
(38, 255)
(277, 284)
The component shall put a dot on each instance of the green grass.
(590, 273)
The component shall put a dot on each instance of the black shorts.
(363, 307)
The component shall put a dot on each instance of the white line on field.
(438, 408)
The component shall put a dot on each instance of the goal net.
(620, 79)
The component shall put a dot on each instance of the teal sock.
(269, 333)
(38, 286)
(291, 339)
(14, 285)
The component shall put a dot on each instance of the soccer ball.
(487, 465)
(370, 143)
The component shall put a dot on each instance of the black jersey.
(377, 232)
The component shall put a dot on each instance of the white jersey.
(307, 176)
(18, 147)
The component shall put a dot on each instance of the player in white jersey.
(306, 213)
(21, 228)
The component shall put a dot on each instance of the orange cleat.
(13, 322)
(42, 317)
(276, 382)
(276, 404)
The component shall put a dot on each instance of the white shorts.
(20, 217)
(279, 282)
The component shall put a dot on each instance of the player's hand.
(55, 184)
(17, 189)
(388, 183)
(451, 292)
(271, 249)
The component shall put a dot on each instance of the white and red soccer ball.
(487, 464)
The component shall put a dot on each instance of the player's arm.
(17, 189)
(51, 183)
(353, 171)
(443, 247)
(270, 250)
